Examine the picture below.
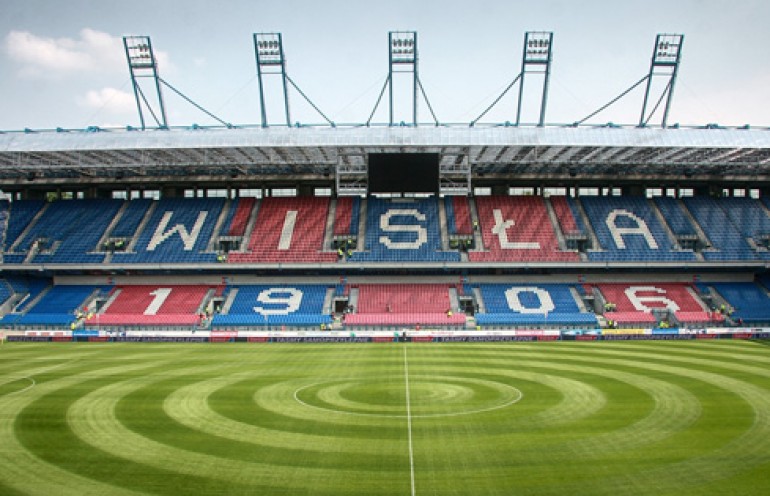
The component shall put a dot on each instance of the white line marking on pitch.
(409, 419)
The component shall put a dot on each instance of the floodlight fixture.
(269, 48)
(537, 47)
(667, 49)
(403, 47)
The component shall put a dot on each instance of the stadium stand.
(288, 230)
(346, 215)
(239, 214)
(56, 307)
(403, 230)
(404, 304)
(566, 216)
(274, 305)
(458, 215)
(21, 213)
(178, 230)
(727, 241)
(129, 220)
(628, 230)
(154, 305)
(653, 302)
(752, 219)
(534, 304)
(674, 212)
(517, 228)
(6, 291)
(72, 229)
(750, 302)
(512, 228)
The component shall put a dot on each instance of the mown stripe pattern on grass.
(541, 418)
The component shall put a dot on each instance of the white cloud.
(93, 51)
(110, 100)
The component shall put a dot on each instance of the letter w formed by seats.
(188, 237)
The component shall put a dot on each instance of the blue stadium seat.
(676, 218)
(618, 213)
(750, 301)
(527, 304)
(403, 230)
(278, 304)
(132, 216)
(750, 217)
(58, 305)
(178, 241)
(727, 241)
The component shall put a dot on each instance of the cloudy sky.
(62, 63)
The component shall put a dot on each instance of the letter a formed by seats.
(618, 232)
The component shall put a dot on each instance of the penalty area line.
(409, 421)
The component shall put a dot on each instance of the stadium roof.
(209, 153)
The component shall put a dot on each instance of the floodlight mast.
(666, 56)
(268, 49)
(536, 53)
(402, 57)
(536, 58)
(143, 64)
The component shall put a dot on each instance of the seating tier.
(517, 228)
(403, 230)
(539, 304)
(288, 230)
(281, 304)
(628, 230)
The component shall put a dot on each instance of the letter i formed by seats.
(287, 232)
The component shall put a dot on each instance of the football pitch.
(561, 418)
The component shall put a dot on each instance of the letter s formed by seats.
(281, 301)
(421, 233)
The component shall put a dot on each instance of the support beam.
(665, 62)
(142, 64)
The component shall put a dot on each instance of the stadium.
(515, 308)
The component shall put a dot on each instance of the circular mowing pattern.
(430, 396)
(607, 419)
(16, 385)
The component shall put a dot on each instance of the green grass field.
(564, 418)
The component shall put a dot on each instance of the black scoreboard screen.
(403, 172)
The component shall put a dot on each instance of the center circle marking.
(511, 395)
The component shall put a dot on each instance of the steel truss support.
(402, 58)
(665, 62)
(536, 59)
(352, 174)
(142, 64)
(454, 176)
(268, 50)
